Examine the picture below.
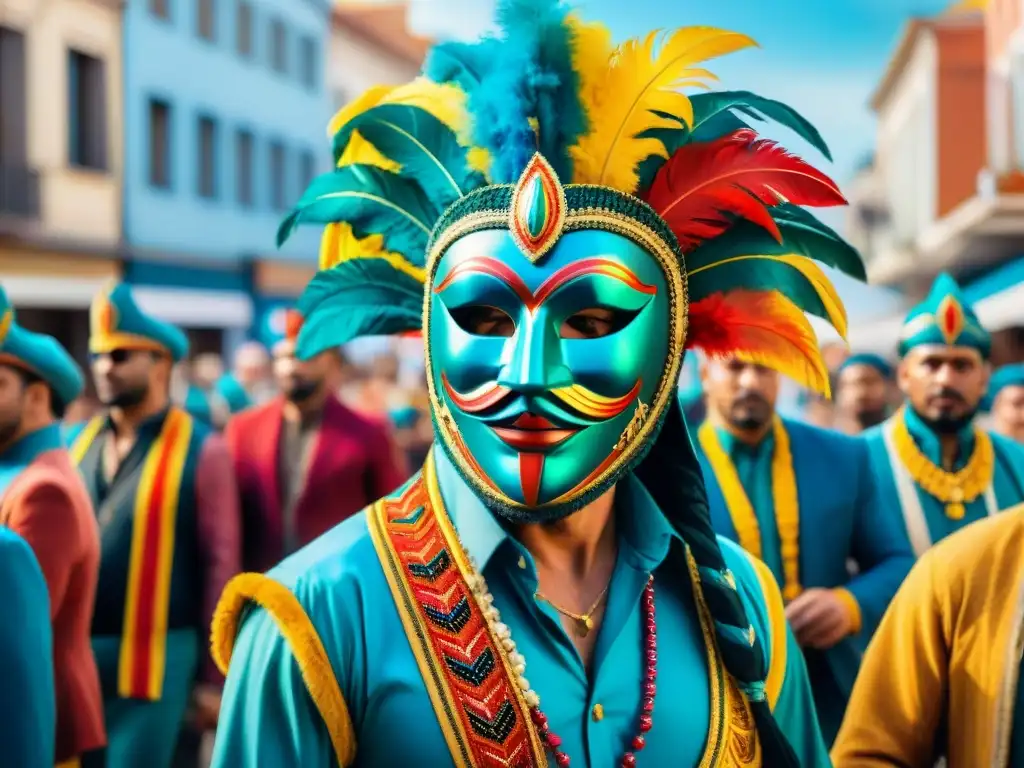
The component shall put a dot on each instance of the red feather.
(701, 184)
(292, 324)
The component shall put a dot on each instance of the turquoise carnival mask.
(562, 222)
(533, 212)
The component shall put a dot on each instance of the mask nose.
(537, 364)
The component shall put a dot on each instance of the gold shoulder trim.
(303, 641)
(777, 622)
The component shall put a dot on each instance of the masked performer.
(945, 471)
(549, 588)
(43, 499)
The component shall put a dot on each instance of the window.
(243, 29)
(13, 99)
(87, 111)
(307, 170)
(207, 157)
(206, 19)
(309, 61)
(160, 8)
(278, 192)
(159, 144)
(278, 46)
(243, 167)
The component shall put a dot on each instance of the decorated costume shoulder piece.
(562, 223)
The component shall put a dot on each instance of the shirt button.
(522, 562)
(597, 712)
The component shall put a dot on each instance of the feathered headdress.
(614, 117)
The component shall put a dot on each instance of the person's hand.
(206, 701)
(819, 618)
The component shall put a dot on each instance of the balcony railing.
(19, 191)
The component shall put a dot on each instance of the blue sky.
(823, 57)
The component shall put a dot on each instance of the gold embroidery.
(784, 495)
(635, 424)
(954, 489)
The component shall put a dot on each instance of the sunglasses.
(116, 356)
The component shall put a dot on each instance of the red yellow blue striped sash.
(144, 638)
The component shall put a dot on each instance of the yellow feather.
(359, 150)
(339, 243)
(591, 58)
(479, 159)
(371, 98)
(636, 82)
(814, 275)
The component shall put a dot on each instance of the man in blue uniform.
(803, 499)
(549, 588)
(943, 469)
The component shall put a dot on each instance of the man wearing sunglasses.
(167, 503)
(43, 500)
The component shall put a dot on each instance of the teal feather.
(757, 275)
(802, 234)
(714, 116)
(426, 148)
(358, 297)
(529, 74)
(464, 64)
(372, 200)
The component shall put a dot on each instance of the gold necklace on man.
(583, 623)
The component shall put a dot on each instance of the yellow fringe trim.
(777, 622)
(954, 489)
(303, 641)
(784, 494)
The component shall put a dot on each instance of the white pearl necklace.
(478, 586)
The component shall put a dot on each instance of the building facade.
(225, 104)
(60, 159)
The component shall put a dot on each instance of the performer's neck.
(126, 419)
(307, 411)
(577, 545)
(29, 424)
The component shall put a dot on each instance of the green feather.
(802, 234)
(756, 275)
(714, 117)
(426, 148)
(359, 297)
(371, 200)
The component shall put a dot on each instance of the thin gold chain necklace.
(584, 621)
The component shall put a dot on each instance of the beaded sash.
(479, 706)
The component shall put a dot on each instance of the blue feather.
(528, 74)
(463, 64)
(360, 297)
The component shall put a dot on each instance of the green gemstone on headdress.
(538, 209)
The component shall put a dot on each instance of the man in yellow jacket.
(940, 678)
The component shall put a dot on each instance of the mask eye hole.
(595, 323)
(483, 320)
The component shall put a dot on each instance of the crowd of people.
(306, 562)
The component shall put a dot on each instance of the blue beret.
(39, 354)
(877, 362)
(116, 322)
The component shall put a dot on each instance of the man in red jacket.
(304, 461)
(43, 499)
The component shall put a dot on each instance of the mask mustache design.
(533, 425)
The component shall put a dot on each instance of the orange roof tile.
(384, 25)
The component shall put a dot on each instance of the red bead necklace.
(553, 742)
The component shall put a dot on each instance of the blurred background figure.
(1005, 402)
(252, 370)
(863, 393)
(304, 461)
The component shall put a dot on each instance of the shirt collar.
(643, 529)
(28, 447)
(736, 447)
(929, 442)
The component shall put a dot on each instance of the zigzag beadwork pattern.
(463, 648)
